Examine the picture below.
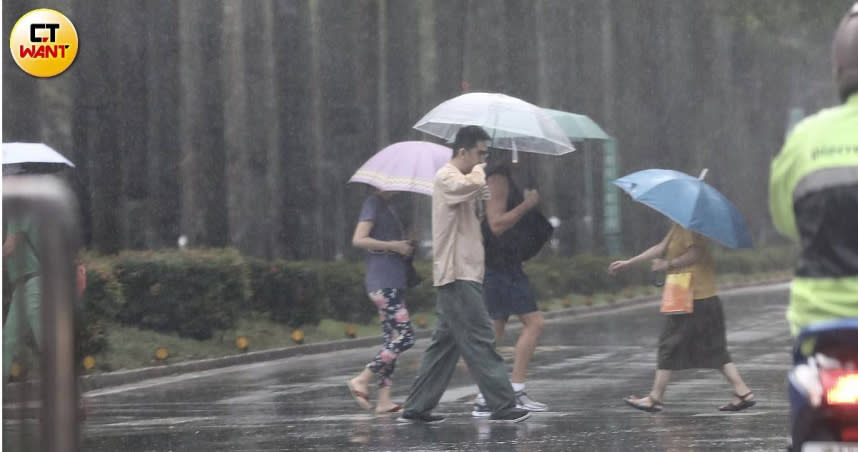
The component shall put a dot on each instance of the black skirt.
(694, 341)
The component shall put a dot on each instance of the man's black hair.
(467, 137)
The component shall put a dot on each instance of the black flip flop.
(743, 403)
(655, 406)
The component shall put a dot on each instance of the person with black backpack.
(513, 231)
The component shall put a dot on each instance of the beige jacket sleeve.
(458, 187)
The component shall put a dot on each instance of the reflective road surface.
(583, 368)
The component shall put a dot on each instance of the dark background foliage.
(238, 123)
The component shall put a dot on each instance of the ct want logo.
(43, 42)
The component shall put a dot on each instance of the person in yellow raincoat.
(813, 196)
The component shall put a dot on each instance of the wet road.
(582, 369)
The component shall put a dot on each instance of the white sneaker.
(525, 402)
(481, 410)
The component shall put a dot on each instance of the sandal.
(396, 408)
(743, 403)
(360, 397)
(655, 405)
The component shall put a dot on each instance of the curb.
(107, 379)
(122, 377)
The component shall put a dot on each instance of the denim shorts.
(508, 292)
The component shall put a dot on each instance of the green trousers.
(24, 312)
(462, 328)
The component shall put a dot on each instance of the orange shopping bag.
(678, 297)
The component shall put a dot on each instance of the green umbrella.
(577, 127)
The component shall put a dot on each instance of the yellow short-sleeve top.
(703, 272)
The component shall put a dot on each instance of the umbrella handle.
(656, 279)
(531, 181)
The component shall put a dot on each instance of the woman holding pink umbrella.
(406, 166)
(379, 231)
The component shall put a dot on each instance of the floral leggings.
(394, 318)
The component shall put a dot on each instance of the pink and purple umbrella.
(404, 166)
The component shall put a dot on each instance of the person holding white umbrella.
(20, 258)
(21, 249)
(507, 288)
(517, 126)
(462, 327)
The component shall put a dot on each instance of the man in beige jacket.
(462, 327)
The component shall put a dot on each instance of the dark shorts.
(508, 293)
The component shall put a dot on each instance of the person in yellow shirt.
(693, 340)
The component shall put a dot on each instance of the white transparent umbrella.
(513, 124)
(17, 153)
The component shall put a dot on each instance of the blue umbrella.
(690, 202)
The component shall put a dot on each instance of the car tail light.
(841, 386)
(849, 434)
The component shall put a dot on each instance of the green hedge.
(199, 292)
(287, 291)
(193, 292)
(346, 298)
(101, 301)
(298, 293)
(583, 274)
(756, 260)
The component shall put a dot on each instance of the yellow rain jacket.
(813, 198)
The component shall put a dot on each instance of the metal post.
(53, 208)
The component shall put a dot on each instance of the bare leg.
(499, 325)
(384, 403)
(533, 322)
(659, 385)
(361, 382)
(739, 387)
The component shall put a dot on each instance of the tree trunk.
(238, 142)
(204, 214)
(294, 120)
(20, 118)
(162, 130)
(131, 122)
(270, 229)
(316, 246)
(96, 125)
(382, 100)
